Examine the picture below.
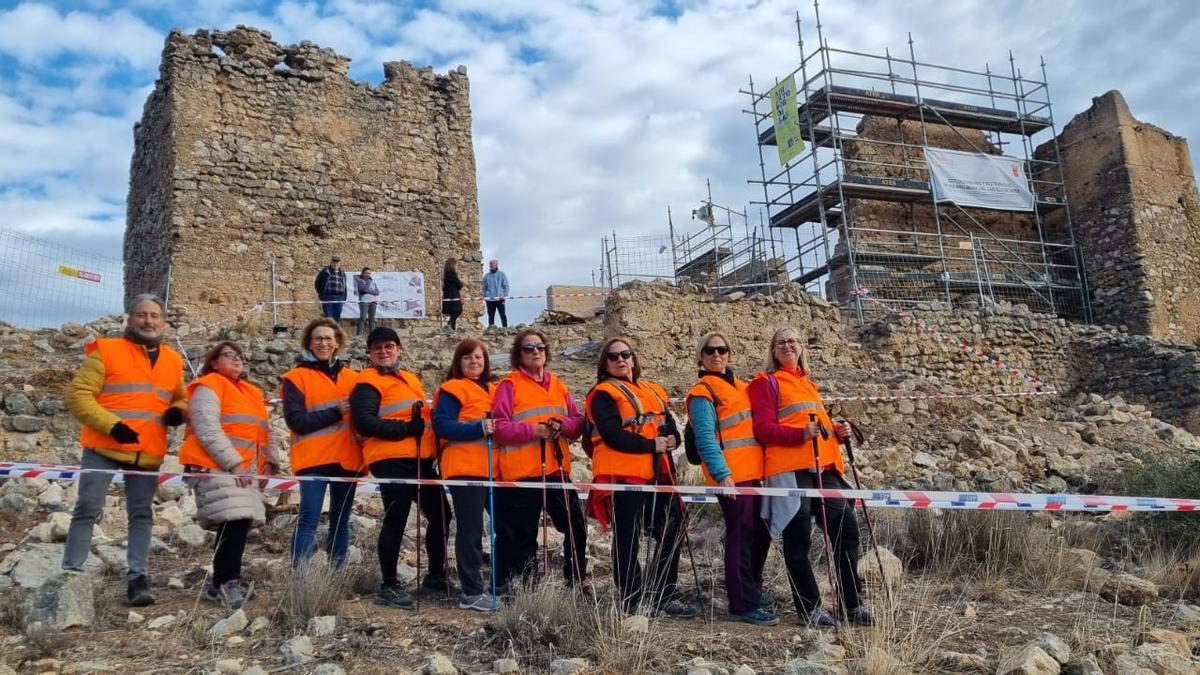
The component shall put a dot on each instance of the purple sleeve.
(767, 428)
(573, 424)
(509, 432)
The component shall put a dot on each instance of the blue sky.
(589, 117)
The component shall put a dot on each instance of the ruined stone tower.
(250, 152)
(1134, 203)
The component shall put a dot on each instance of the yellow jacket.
(81, 401)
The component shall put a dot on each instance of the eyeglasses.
(709, 351)
(787, 342)
(231, 355)
(383, 347)
(533, 347)
(322, 338)
(617, 356)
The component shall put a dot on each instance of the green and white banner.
(786, 119)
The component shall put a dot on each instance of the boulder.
(636, 623)
(564, 666)
(63, 601)
(31, 567)
(328, 669)
(892, 569)
(505, 666)
(1177, 642)
(229, 626)
(321, 626)
(298, 650)
(1083, 666)
(1127, 589)
(806, 667)
(439, 664)
(190, 534)
(1027, 660)
(1054, 646)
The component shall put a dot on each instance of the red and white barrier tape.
(864, 292)
(910, 499)
(595, 294)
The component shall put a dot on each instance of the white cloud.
(589, 117)
(38, 32)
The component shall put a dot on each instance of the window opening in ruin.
(858, 197)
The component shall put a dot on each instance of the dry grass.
(547, 621)
(317, 589)
(909, 635)
(986, 546)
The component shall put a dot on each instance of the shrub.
(316, 589)
(1162, 476)
(987, 545)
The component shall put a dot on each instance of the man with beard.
(127, 392)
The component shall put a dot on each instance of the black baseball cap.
(381, 334)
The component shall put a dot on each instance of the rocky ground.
(1025, 593)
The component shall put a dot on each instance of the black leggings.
(397, 501)
(227, 553)
(843, 535)
(660, 516)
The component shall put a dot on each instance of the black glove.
(416, 427)
(173, 417)
(123, 434)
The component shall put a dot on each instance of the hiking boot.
(861, 616)
(138, 592)
(676, 609)
(394, 595)
(766, 600)
(757, 616)
(818, 618)
(229, 594)
(484, 602)
(438, 585)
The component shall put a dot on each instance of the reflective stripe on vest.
(467, 458)
(534, 404)
(652, 400)
(243, 421)
(336, 443)
(398, 392)
(743, 454)
(799, 398)
(135, 391)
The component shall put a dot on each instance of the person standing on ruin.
(495, 290)
(452, 302)
(368, 300)
(331, 289)
(127, 392)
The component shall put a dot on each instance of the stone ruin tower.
(251, 156)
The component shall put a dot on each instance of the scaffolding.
(858, 198)
(715, 256)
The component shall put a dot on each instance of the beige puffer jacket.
(219, 499)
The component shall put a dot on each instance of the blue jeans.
(333, 309)
(341, 506)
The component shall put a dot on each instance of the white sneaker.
(484, 602)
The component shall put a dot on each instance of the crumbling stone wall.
(1133, 201)
(248, 150)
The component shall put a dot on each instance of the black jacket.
(607, 417)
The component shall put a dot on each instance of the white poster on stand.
(401, 296)
(982, 181)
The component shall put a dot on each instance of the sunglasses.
(617, 356)
(533, 347)
(709, 351)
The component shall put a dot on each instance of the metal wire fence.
(44, 283)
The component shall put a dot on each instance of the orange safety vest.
(137, 392)
(397, 394)
(243, 420)
(334, 444)
(799, 398)
(533, 404)
(467, 458)
(735, 428)
(643, 420)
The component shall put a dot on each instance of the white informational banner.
(982, 181)
(401, 296)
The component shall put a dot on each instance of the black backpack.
(689, 434)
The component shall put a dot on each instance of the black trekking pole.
(687, 541)
(542, 515)
(858, 436)
(829, 559)
(571, 549)
(416, 415)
